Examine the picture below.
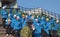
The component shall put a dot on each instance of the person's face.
(23, 16)
(32, 26)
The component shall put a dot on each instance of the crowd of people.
(18, 25)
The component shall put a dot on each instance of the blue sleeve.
(57, 26)
(38, 28)
(24, 23)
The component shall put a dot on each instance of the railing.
(38, 11)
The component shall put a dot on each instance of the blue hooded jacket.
(16, 25)
(37, 27)
(13, 22)
(56, 26)
(47, 27)
(43, 22)
(4, 14)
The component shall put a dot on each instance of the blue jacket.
(43, 22)
(24, 23)
(13, 22)
(56, 26)
(37, 27)
(29, 17)
(4, 14)
(47, 27)
(52, 20)
(16, 25)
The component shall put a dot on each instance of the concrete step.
(2, 35)
(2, 32)
(2, 29)
(5, 36)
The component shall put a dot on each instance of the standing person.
(4, 15)
(13, 20)
(55, 28)
(37, 31)
(29, 16)
(23, 21)
(17, 27)
(27, 30)
(47, 27)
(42, 23)
(8, 27)
(52, 21)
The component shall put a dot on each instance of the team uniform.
(4, 16)
(37, 31)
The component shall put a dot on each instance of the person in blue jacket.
(43, 23)
(13, 20)
(17, 27)
(8, 27)
(29, 16)
(37, 32)
(23, 20)
(4, 15)
(47, 27)
(10, 13)
(18, 13)
(55, 28)
(39, 19)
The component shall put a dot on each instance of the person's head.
(37, 16)
(57, 21)
(4, 6)
(47, 19)
(23, 16)
(18, 18)
(36, 20)
(43, 18)
(9, 21)
(15, 16)
(26, 17)
(30, 23)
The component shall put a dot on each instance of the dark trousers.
(54, 33)
(4, 22)
(8, 29)
(17, 33)
(44, 34)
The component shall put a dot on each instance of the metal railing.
(38, 11)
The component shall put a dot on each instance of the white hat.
(57, 21)
(36, 19)
(4, 6)
(18, 17)
(15, 15)
(47, 19)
